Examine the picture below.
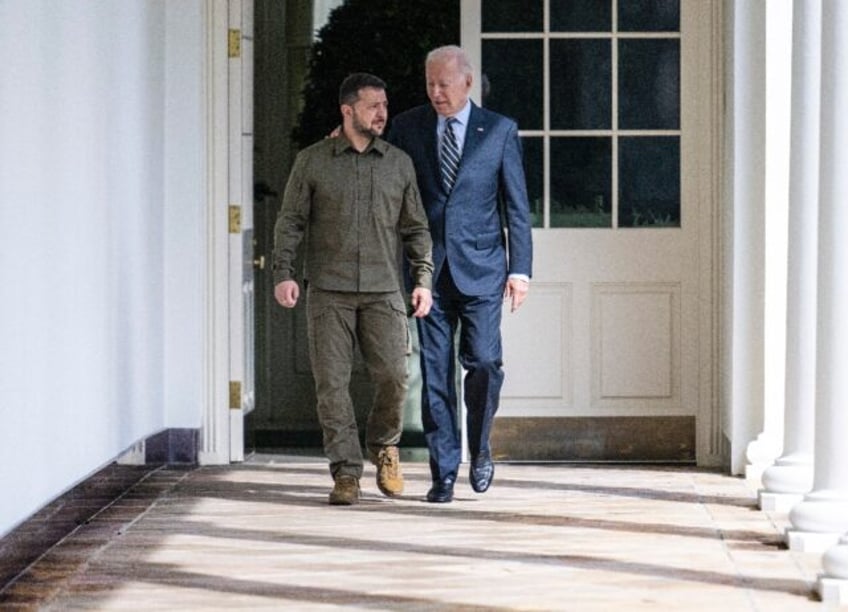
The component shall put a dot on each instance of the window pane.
(581, 81)
(649, 84)
(533, 167)
(649, 16)
(512, 15)
(649, 181)
(513, 70)
(580, 182)
(581, 16)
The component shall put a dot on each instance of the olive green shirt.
(351, 208)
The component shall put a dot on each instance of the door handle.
(259, 264)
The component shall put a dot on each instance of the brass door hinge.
(234, 43)
(235, 219)
(235, 394)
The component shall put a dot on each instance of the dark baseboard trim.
(648, 439)
(274, 438)
(173, 446)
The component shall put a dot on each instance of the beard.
(371, 130)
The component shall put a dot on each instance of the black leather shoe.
(441, 492)
(481, 472)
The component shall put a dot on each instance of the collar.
(462, 116)
(342, 144)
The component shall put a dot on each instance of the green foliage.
(648, 217)
(388, 38)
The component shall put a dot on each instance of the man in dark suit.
(470, 174)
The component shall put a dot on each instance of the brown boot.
(346, 491)
(389, 478)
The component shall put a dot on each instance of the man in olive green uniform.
(351, 198)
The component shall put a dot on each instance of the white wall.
(185, 212)
(101, 240)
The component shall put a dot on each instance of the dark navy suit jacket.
(483, 227)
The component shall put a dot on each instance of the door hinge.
(234, 43)
(235, 395)
(235, 219)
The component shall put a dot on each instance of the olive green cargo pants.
(377, 322)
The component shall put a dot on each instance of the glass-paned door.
(595, 88)
(618, 106)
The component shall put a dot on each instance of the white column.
(822, 517)
(832, 400)
(832, 585)
(791, 476)
(747, 260)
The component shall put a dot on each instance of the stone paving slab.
(261, 536)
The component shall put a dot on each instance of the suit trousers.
(377, 322)
(478, 320)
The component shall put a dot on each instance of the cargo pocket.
(401, 314)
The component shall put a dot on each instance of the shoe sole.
(388, 492)
(481, 489)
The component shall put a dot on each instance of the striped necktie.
(449, 155)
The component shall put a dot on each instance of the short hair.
(349, 90)
(451, 52)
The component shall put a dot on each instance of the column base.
(778, 502)
(822, 511)
(789, 474)
(832, 590)
(761, 454)
(810, 541)
(754, 475)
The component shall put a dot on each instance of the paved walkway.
(261, 536)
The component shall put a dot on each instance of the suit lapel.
(474, 134)
(431, 147)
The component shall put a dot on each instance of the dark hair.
(349, 90)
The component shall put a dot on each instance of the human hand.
(286, 293)
(516, 290)
(336, 132)
(422, 300)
